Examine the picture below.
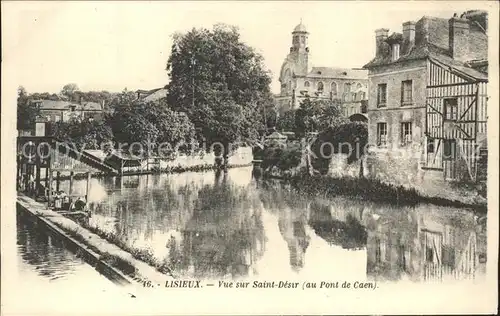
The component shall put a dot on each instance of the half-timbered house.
(428, 92)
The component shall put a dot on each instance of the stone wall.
(241, 156)
(406, 170)
(339, 167)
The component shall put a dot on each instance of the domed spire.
(300, 28)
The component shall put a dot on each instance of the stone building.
(420, 80)
(55, 111)
(299, 80)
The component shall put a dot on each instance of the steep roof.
(432, 41)
(65, 105)
(54, 105)
(89, 106)
(333, 72)
(157, 95)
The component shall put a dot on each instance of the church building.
(299, 80)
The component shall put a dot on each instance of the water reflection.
(208, 225)
(47, 257)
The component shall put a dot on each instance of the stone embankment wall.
(406, 170)
(98, 249)
(242, 156)
(402, 169)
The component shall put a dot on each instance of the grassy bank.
(139, 254)
(372, 190)
(116, 262)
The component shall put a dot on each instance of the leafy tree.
(221, 84)
(86, 134)
(317, 115)
(148, 123)
(68, 90)
(26, 110)
(286, 122)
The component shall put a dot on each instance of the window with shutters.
(406, 132)
(450, 109)
(382, 95)
(406, 92)
(381, 134)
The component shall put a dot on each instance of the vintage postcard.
(234, 157)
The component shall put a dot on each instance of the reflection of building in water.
(422, 245)
(294, 233)
(338, 225)
(209, 251)
(222, 237)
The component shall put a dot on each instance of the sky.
(113, 45)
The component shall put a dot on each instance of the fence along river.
(216, 225)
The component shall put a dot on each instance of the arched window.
(287, 73)
(347, 87)
(320, 86)
(334, 88)
(307, 84)
(359, 86)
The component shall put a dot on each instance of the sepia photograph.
(227, 157)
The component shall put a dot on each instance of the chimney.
(459, 38)
(381, 46)
(408, 36)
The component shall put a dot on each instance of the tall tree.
(69, 90)
(220, 83)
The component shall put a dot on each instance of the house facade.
(428, 94)
(299, 80)
(63, 111)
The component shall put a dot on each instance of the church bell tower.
(299, 51)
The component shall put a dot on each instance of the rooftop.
(300, 28)
(65, 105)
(334, 72)
(432, 41)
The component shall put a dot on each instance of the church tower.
(297, 61)
(299, 52)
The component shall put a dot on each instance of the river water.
(208, 225)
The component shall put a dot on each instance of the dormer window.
(395, 51)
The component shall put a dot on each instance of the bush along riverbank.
(372, 190)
